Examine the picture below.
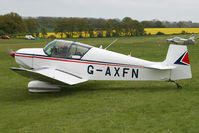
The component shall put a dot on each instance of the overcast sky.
(171, 10)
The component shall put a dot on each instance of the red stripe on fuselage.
(75, 61)
(28, 56)
(85, 62)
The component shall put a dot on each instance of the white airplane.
(63, 63)
(179, 40)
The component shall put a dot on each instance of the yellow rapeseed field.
(171, 30)
(152, 31)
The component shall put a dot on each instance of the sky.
(164, 10)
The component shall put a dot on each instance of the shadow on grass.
(93, 87)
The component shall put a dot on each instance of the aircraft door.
(33, 59)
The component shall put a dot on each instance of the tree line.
(167, 24)
(101, 27)
(13, 24)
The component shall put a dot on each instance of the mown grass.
(101, 106)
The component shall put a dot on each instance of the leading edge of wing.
(51, 75)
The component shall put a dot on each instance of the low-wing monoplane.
(63, 62)
(179, 40)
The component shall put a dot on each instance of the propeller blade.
(10, 50)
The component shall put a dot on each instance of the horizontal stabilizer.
(161, 67)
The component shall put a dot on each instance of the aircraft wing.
(169, 40)
(51, 75)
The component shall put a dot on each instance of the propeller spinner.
(11, 52)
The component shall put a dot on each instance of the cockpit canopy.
(176, 38)
(66, 49)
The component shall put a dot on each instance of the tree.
(2, 25)
(126, 24)
(48, 22)
(99, 26)
(159, 24)
(117, 26)
(91, 30)
(2, 33)
(67, 26)
(109, 27)
(180, 25)
(43, 31)
(31, 25)
(82, 26)
(138, 28)
(13, 23)
(126, 19)
(132, 27)
(60, 26)
(147, 24)
(112, 27)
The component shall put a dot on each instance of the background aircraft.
(29, 37)
(63, 63)
(179, 40)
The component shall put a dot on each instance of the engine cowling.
(40, 86)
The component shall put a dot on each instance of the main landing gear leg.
(178, 85)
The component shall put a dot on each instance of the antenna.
(111, 43)
(129, 54)
(101, 47)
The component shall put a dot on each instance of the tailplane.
(192, 37)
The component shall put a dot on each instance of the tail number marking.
(115, 71)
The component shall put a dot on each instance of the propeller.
(11, 52)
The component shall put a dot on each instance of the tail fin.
(192, 37)
(178, 56)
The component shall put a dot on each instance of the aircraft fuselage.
(96, 64)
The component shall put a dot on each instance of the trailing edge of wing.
(51, 75)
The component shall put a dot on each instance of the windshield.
(66, 49)
(177, 38)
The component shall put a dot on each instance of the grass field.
(101, 106)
